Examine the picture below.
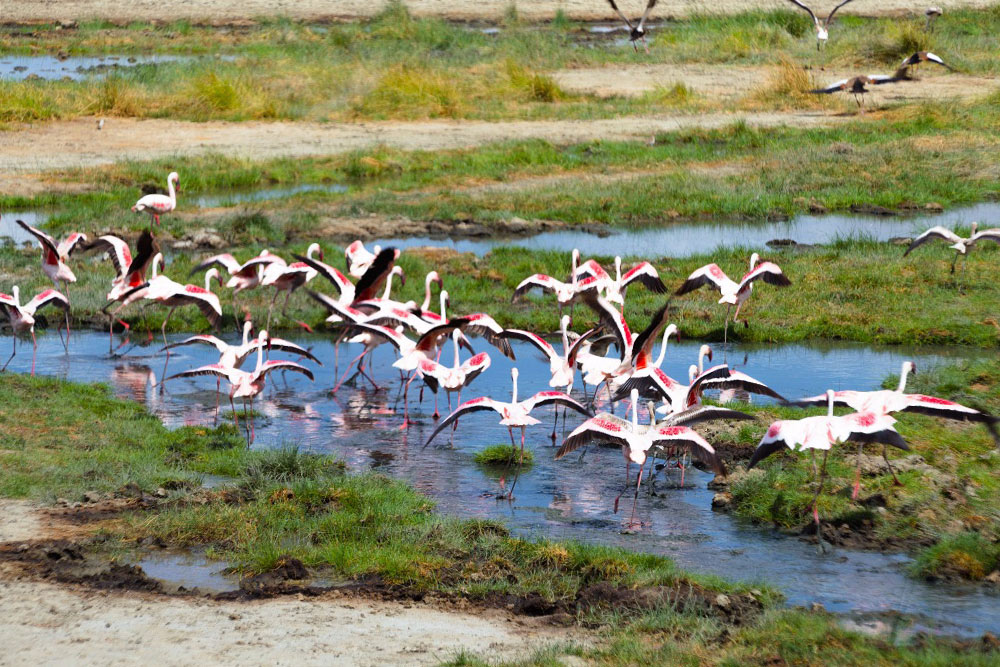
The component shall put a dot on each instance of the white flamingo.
(54, 258)
(156, 205)
(22, 316)
(822, 27)
(959, 244)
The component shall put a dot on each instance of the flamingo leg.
(635, 501)
(163, 329)
(34, 351)
(953, 262)
(12, 353)
(218, 388)
(406, 402)
(253, 428)
(361, 370)
(857, 475)
(66, 292)
(725, 330)
(271, 307)
(628, 481)
(885, 457)
(341, 381)
(520, 463)
(236, 419)
(815, 511)
(437, 414)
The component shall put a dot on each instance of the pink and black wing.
(612, 320)
(799, 4)
(338, 279)
(481, 324)
(211, 369)
(205, 339)
(738, 380)
(283, 345)
(939, 407)
(622, 16)
(47, 241)
(644, 341)
(475, 405)
(374, 277)
(530, 337)
(645, 14)
(543, 398)
(674, 436)
(475, 365)
(779, 436)
(280, 365)
(539, 280)
(49, 297)
(343, 311)
(578, 344)
(769, 272)
(833, 11)
(653, 385)
(833, 87)
(647, 275)
(429, 370)
(71, 243)
(710, 274)
(223, 260)
(702, 413)
(871, 428)
(117, 250)
(719, 372)
(601, 429)
(936, 232)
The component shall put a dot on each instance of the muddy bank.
(228, 11)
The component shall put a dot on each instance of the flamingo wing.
(834, 10)
(431, 373)
(701, 413)
(682, 436)
(937, 59)
(224, 260)
(799, 4)
(47, 241)
(279, 365)
(539, 280)
(374, 277)
(391, 336)
(646, 274)
(936, 232)
(613, 320)
(475, 405)
(710, 274)
(645, 14)
(574, 349)
(288, 346)
(782, 434)
(481, 324)
(769, 272)
(206, 339)
(543, 345)
(939, 407)
(986, 235)
(206, 301)
(70, 244)
(592, 268)
(654, 384)
(145, 250)
(867, 427)
(211, 369)
(475, 365)
(49, 297)
(849, 399)
(434, 336)
(332, 305)
(356, 253)
(832, 88)
(600, 429)
(338, 279)
(554, 398)
(715, 372)
(644, 341)
(623, 17)
(117, 250)
(738, 380)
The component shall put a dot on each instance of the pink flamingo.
(288, 277)
(733, 293)
(244, 384)
(636, 441)
(567, 293)
(156, 204)
(512, 413)
(242, 276)
(54, 258)
(359, 259)
(886, 401)
(22, 316)
(614, 288)
(822, 433)
(130, 285)
(455, 378)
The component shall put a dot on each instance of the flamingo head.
(445, 298)
(159, 261)
(692, 372)
(672, 330)
(175, 178)
(247, 326)
(705, 351)
(575, 255)
(210, 274)
(618, 263)
(377, 249)
(975, 226)
(433, 277)
(564, 322)
(514, 373)
(16, 294)
(314, 248)
(754, 258)
(398, 271)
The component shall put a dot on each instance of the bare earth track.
(75, 143)
(225, 11)
(46, 623)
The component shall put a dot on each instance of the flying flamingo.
(822, 27)
(822, 433)
(886, 401)
(636, 32)
(614, 288)
(233, 356)
(567, 293)
(734, 380)
(455, 378)
(156, 204)
(130, 285)
(916, 59)
(54, 257)
(288, 277)
(22, 316)
(562, 367)
(359, 259)
(242, 276)
(636, 440)
(733, 293)
(513, 413)
(856, 85)
(244, 384)
(959, 244)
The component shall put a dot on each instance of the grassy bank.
(946, 509)
(66, 439)
(400, 67)
(919, 305)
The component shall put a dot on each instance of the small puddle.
(215, 481)
(75, 68)
(13, 231)
(233, 197)
(188, 571)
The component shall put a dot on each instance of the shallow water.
(189, 571)
(693, 238)
(569, 499)
(246, 196)
(76, 68)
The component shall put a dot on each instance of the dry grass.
(787, 87)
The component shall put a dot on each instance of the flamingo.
(425, 312)
(22, 316)
(636, 32)
(562, 367)
(512, 413)
(156, 204)
(54, 257)
(918, 58)
(822, 27)
(566, 293)
(886, 401)
(822, 433)
(856, 85)
(234, 356)
(636, 440)
(288, 277)
(614, 288)
(457, 377)
(242, 276)
(734, 380)
(959, 244)
(733, 293)
(244, 384)
(358, 259)
(130, 271)
(932, 15)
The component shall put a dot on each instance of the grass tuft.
(503, 455)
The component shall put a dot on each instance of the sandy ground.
(468, 10)
(730, 82)
(51, 624)
(76, 143)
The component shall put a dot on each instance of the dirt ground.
(730, 82)
(47, 623)
(76, 143)
(224, 11)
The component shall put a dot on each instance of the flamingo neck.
(513, 397)
(565, 337)
(427, 294)
(17, 295)
(156, 260)
(663, 348)
(701, 362)
(618, 270)
(572, 268)
(171, 191)
(208, 282)
(902, 378)
(829, 396)
(455, 340)
(444, 298)
(388, 286)
(246, 332)
(635, 411)
(260, 355)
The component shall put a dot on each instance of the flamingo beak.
(322, 257)
(402, 279)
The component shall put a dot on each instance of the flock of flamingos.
(362, 312)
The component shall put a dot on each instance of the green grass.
(947, 511)
(503, 455)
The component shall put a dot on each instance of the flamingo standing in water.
(156, 205)
(130, 284)
(822, 433)
(513, 413)
(886, 401)
(244, 384)
(733, 293)
(455, 378)
(22, 316)
(234, 356)
(636, 441)
(54, 258)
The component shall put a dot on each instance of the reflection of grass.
(503, 455)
